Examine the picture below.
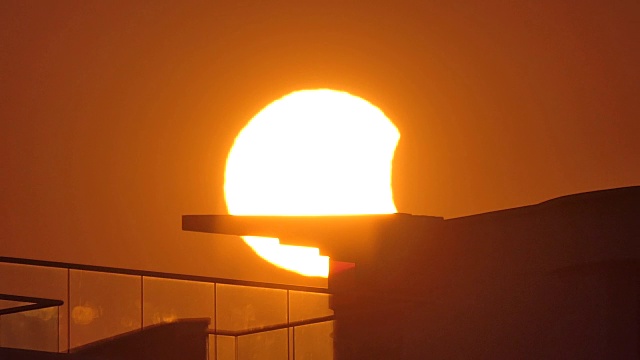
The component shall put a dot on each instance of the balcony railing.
(93, 303)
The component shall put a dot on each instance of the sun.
(312, 152)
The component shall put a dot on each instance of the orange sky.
(116, 118)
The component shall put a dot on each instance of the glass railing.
(247, 319)
(24, 317)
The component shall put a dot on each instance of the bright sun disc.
(312, 152)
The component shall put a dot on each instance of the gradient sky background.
(116, 117)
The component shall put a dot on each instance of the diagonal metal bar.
(35, 303)
(271, 327)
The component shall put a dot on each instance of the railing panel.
(306, 305)
(225, 347)
(166, 300)
(42, 282)
(103, 305)
(269, 345)
(31, 330)
(211, 351)
(243, 307)
(314, 341)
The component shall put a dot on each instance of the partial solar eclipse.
(312, 152)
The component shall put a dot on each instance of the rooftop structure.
(554, 280)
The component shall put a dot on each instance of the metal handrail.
(158, 274)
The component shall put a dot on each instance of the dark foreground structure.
(184, 339)
(555, 280)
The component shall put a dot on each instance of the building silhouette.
(554, 280)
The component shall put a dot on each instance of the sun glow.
(312, 152)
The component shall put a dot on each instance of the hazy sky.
(116, 117)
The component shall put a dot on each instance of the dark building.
(554, 280)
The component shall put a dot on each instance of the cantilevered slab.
(572, 230)
(348, 237)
